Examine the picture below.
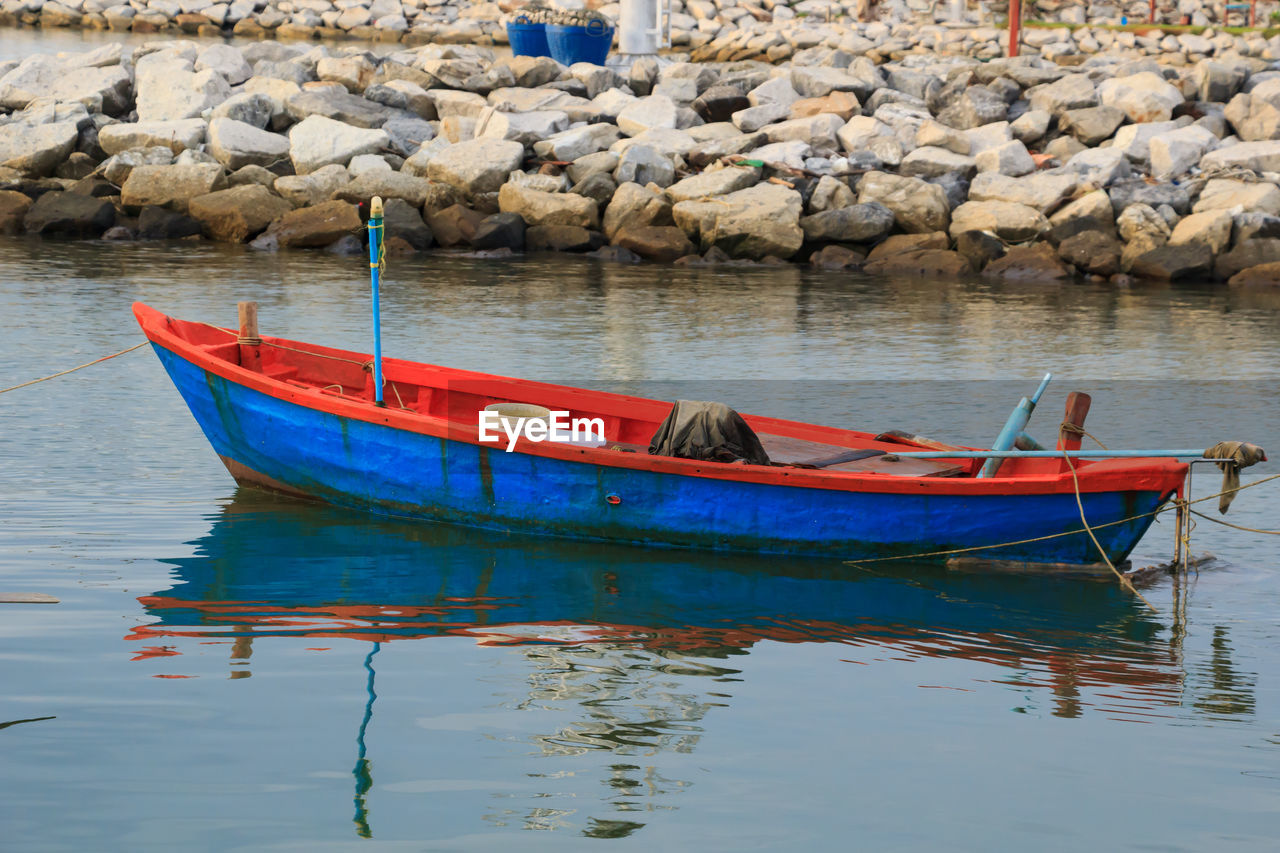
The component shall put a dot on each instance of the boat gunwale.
(1119, 475)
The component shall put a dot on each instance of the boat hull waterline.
(272, 439)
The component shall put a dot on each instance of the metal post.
(375, 268)
(1151, 16)
(1015, 26)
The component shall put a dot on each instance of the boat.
(305, 420)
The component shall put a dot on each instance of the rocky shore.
(1115, 164)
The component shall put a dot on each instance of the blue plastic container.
(580, 44)
(527, 38)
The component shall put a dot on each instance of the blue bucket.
(528, 38)
(580, 44)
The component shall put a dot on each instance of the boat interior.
(457, 396)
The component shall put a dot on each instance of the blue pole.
(375, 268)
(1046, 454)
(1016, 423)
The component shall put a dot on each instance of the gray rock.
(918, 207)
(525, 128)
(1091, 125)
(570, 145)
(1143, 97)
(544, 208)
(167, 89)
(929, 162)
(1250, 226)
(1011, 158)
(313, 188)
(252, 109)
(385, 184)
(759, 221)
(235, 144)
(978, 106)
(318, 141)
(69, 214)
(35, 151)
(1072, 92)
(1009, 221)
(1042, 191)
(859, 223)
(1174, 263)
(177, 136)
(1100, 166)
(1174, 154)
(713, 183)
(646, 113)
(340, 106)
(1261, 156)
(754, 118)
(170, 186)
(635, 206)
(642, 165)
(476, 166)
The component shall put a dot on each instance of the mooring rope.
(1124, 581)
(74, 369)
(1047, 537)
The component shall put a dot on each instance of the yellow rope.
(1236, 526)
(1124, 581)
(381, 264)
(1067, 426)
(74, 369)
(1161, 510)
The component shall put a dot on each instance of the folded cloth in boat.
(708, 431)
(1235, 455)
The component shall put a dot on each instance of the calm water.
(228, 671)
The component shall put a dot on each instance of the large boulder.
(859, 223)
(386, 184)
(1145, 96)
(1173, 263)
(635, 206)
(1227, 193)
(317, 141)
(1259, 275)
(177, 136)
(662, 243)
(235, 144)
(313, 227)
(918, 206)
(312, 188)
(752, 223)
(525, 128)
(1254, 156)
(43, 76)
(236, 214)
(13, 209)
(1173, 154)
(1211, 228)
(35, 151)
(476, 166)
(569, 145)
(168, 89)
(646, 113)
(1044, 192)
(1009, 221)
(713, 183)
(1028, 263)
(339, 106)
(171, 186)
(71, 214)
(543, 208)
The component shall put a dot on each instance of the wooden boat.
(301, 419)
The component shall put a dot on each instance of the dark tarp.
(708, 431)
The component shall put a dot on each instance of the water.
(229, 671)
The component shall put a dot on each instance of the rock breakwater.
(1123, 164)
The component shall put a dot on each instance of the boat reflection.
(275, 568)
(638, 646)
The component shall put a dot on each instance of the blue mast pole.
(375, 269)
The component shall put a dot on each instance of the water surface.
(231, 671)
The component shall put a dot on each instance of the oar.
(1013, 427)
(375, 268)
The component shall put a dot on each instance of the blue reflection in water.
(599, 622)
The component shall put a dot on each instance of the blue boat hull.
(282, 445)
